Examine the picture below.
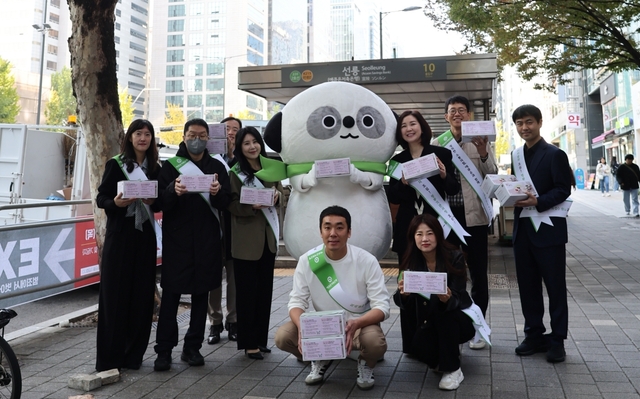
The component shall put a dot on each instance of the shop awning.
(602, 137)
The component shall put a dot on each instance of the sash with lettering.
(522, 173)
(270, 212)
(185, 167)
(467, 169)
(475, 314)
(327, 276)
(138, 174)
(427, 191)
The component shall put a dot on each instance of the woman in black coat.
(440, 325)
(128, 263)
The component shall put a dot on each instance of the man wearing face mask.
(192, 243)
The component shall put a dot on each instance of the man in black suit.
(540, 251)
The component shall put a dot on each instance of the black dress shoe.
(214, 334)
(193, 357)
(163, 362)
(254, 355)
(556, 353)
(264, 349)
(532, 345)
(233, 330)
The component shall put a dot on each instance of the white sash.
(479, 323)
(270, 213)
(138, 174)
(219, 158)
(522, 173)
(468, 170)
(190, 169)
(427, 191)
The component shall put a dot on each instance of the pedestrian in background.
(614, 170)
(128, 263)
(602, 173)
(628, 176)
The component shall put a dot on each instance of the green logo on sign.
(295, 76)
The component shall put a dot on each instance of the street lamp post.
(384, 13)
(42, 29)
(139, 94)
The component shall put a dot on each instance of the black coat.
(628, 176)
(191, 241)
(408, 198)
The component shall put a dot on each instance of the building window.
(135, 86)
(140, 9)
(177, 11)
(118, 13)
(138, 60)
(137, 47)
(174, 71)
(215, 69)
(117, 26)
(176, 1)
(175, 55)
(255, 29)
(174, 100)
(116, 39)
(214, 100)
(195, 39)
(138, 34)
(255, 44)
(195, 55)
(138, 21)
(174, 86)
(196, 9)
(195, 69)
(215, 84)
(55, 18)
(52, 33)
(194, 100)
(194, 85)
(254, 103)
(254, 58)
(52, 66)
(51, 49)
(175, 40)
(195, 24)
(55, 3)
(136, 73)
(176, 25)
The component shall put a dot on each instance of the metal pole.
(224, 87)
(380, 34)
(44, 33)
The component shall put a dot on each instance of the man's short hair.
(198, 122)
(231, 118)
(628, 156)
(527, 110)
(457, 100)
(336, 210)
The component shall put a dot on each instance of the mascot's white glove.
(368, 180)
(303, 183)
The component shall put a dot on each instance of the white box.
(326, 348)
(217, 146)
(218, 131)
(491, 183)
(425, 166)
(257, 196)
(333, 167)
(322, 324)
(425, 282)
(511, 192)
(471, 129)
(138, 188)
(197, 183)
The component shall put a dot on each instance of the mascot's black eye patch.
(324, 123)
(371, 122)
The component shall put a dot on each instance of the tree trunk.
(95, 86)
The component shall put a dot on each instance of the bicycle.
(10, 376)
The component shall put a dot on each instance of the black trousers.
(536, 265)
(127, 285)
(437, 342)
(254, 290)
(408, 321)
(167, 334)
(477, 257)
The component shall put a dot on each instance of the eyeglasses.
(461, 111)
(201, 136)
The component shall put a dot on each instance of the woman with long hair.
(254, 244)
(128, 263)
(441, 325)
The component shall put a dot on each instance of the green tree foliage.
(245, 115)
(126, 106)
(174, 118)
(9, 107)
(502, 141)
(61, 103)
(546, 37)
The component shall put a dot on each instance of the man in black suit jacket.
(540, 255)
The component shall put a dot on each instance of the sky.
(415, 33)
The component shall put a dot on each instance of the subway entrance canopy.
(421, 84)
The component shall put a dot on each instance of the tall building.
(197, 48)
(22, 45)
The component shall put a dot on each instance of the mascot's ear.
(395, 115)
(273, 133)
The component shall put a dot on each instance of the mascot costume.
(329, 121)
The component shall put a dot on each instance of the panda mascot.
(330, 121)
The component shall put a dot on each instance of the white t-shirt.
(358, 272)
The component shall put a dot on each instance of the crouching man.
(360, 290)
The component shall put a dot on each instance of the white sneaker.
(365, 376)
(603, 194)
(318, 368)
(451, 381)
(479, 344)
(608, 195)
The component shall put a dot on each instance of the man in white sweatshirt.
(360, 290)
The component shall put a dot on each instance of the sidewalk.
(603, 355)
